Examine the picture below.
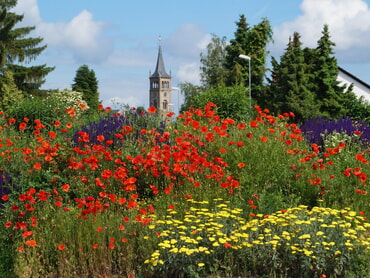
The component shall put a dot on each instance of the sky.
(119, 39)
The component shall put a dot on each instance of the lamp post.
(245, 57)
(178, 98)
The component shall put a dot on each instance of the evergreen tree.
(85, 82)
(17, 50)
(213, 73)
(237, 46)
(252, 42)
(328, 92)
(290, 82)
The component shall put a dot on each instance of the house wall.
(358, 88)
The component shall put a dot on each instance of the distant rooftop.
(354, 78)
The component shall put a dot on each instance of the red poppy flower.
(152, 110)
(37, 166)
(241, 165)
(31, 242)
(66, 187)
(61, 247)
(227, 245)
(100, 138)
(22, 126)
(253, 124)
(241, 126)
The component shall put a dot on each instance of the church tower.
(160, 87)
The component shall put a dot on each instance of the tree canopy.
(85, 82)
(17, 50)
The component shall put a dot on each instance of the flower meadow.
(130, 195)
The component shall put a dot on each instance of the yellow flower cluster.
(313, 233)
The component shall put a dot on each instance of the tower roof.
(160, 70)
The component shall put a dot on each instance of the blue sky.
(118, 39)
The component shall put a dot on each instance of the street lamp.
(245, 57)
(178, 98)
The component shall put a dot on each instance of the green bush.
(231, 102)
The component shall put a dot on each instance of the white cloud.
(187, 41)
(348, 20)
(189, 73)
(119, 102)
(30, 10)
(80, 38)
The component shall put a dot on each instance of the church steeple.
(160, 70)
(160, 87)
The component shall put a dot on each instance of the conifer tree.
(237, 46)
(289, 86)
(251, 41)
(17, 50)
(85, 82)
(328, 92)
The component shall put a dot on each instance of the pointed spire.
(160, 70)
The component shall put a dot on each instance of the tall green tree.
(212, 70)
(237, 46)
(85, 82)
(289, 89)
(17, 50)
(328, 92)
(251, 41)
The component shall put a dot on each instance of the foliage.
(213, 73)
(50, 111)
(289, 90)
(71, 100)
(327, 90)
(317, 130)
(231, 102)
(189, 91)
(7, 253)
(9, 93)
(358, 108)
(221, 242)
(17, 49)
(251, 41)
(95, 209)
(85, 82)
(304, 81)
(107, 129)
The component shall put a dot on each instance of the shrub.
(318, 129)
(130, 125)
(296, 242)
